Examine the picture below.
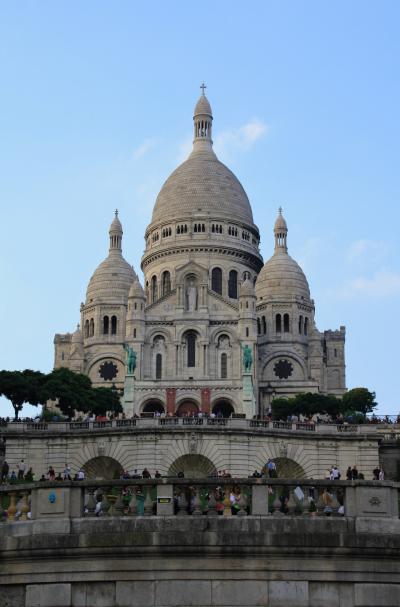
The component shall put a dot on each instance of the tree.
(73, 391)
(359, 399)
(22, 387)
(105, 400)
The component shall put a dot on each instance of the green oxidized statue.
(130, 359)
(247, 358)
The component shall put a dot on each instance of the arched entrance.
(193, 466)
(223, 408)
(288, 468)
(187, 408)
(153, 406)
(102, 468)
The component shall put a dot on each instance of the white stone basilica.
(206, 296)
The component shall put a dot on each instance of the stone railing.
(253, 425)
(206, 497)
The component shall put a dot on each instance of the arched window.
(106, 323)
(86, 328)
(278, 323)
(224, 366)
(286, 326)
(258, 326)
(134, 333)
(306, 326)
(154, 289)
(191, 349)
(247, 331)
(158, 366)
(166, 283)
(264, 326)
(232, 284)
(113, 325)
(216, 280)
(300, 325)
(91, 327)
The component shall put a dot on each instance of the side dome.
(202, 184)
(281, 276)
(113, 278)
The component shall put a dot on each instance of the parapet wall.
(173, 561)
(65, 556)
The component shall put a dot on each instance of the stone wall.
(202, 562)
(235, 449)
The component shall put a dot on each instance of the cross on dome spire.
(116, 234)
(203, 120)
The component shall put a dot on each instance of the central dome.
(202, 184)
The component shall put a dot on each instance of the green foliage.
(71, 390)
(105, 400)
(22, 387)
(360, 399)
(306, 404)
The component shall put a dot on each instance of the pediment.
(191, 267)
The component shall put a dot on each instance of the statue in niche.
(130, 359)
(224, 342)
(191, 297)
(247, 358)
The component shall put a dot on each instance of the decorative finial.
(116, 212)
(78, 326)
(280, 210)
(203, 87)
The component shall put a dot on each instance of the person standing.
(21, 470)
(4, 472)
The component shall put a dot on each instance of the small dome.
(114, 276)
(136, 290)
(203, 106)
(282, 277)
(280, 223)
(116, 225)
(111, 281)
(246, 288)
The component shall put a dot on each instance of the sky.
(96, 110)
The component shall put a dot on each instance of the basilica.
(212, 329)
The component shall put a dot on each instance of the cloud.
(367, 250)
(384, 283)
(144, 147)
(226, 143)
(241, 139)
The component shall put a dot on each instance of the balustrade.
(215, 422)
(221, 497)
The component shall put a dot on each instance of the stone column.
(206, 400)
(171, 401)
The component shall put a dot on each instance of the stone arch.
(193, 465)
(153, 405)
(223, 407)
(102, 468)
(288, 468)
(187, 408)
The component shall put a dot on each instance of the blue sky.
(95, 112)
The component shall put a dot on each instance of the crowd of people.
(317, 418)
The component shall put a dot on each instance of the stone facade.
(196, 450)
(206, 296)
